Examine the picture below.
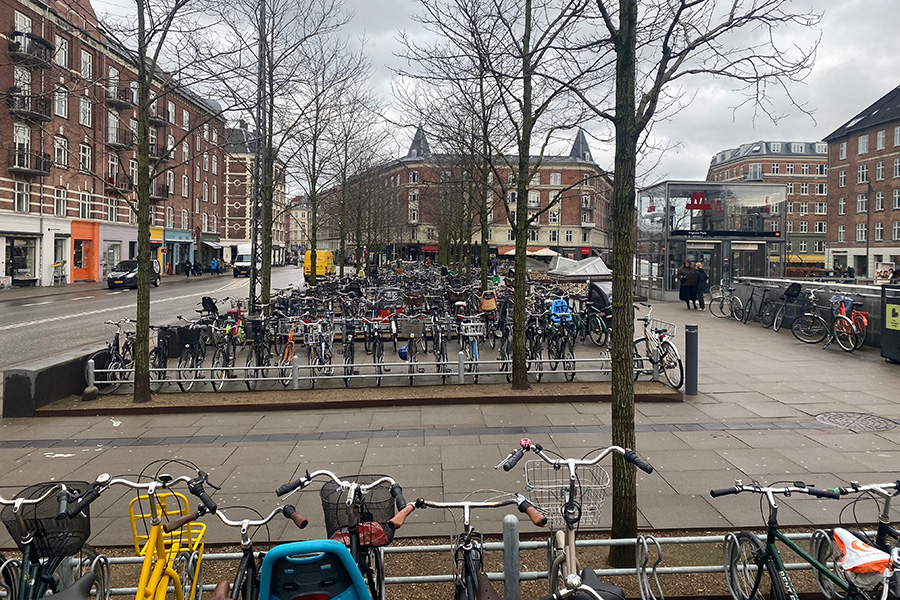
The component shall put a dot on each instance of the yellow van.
(324, 263)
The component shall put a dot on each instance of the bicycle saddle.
(79, 590)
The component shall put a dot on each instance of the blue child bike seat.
(311, 570)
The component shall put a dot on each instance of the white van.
(242, 261)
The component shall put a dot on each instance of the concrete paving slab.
(710, 440)
(693, 510)
(764, 460)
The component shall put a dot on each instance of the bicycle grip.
(397, 521)
(824, 493)
(178, 523)
(62, 509)
(513, 458)
(632, 457)
(724, 492)
(89, 496)
(291, 513)
(536, 516)
(287, 488)
(197, 490)
(397, 493)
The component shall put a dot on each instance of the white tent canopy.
(589, 268)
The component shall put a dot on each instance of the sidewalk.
(22, 293)
(763, 413)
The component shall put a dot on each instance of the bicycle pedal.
(386, 369)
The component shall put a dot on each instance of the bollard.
(295, 371)
(511, 572)
(90, 373)
(461, 367)
(654, 362)
(690, 360)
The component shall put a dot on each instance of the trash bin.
(890, 322)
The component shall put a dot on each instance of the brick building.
(240, 148)
(69, 164)
(864, 185)
(803, 168)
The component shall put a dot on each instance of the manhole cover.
(856, 421)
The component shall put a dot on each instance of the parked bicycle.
(114, 364)
(471, 333)
(722, 302)
(259, 357)
(812, 328)
(656, 348)
(194, 338)
(759, 309)
(845, 306)
(159, 357)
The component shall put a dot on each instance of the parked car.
(124, 274)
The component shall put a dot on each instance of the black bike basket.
(209, 305)
(188, 336)
(792, 291)
(378, 508)
(53, 538)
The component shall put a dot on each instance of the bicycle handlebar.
(799, 487)
(62, 498)
(879, 488)
(287, 511)
(104, 482)
(522, 503)
(526, 445)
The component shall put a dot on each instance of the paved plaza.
(754, 418)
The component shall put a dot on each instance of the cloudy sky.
(856, 65)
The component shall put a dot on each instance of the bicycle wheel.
(187, 370)
(103, 380)
(809, 329)
(535, 352)
(440, 357)
(845, 333)
(742, 570)
(642, 364)
(9, 578)
(671, 364)
(823, 550)
(189, 567)
(70, 571)
(158, 364)
(378, 359)
(348, 368)
(372, 567)
(328, 362)
(250, 371)
(286, 365)
(597, 330)
(862, 327)
(218, 373)
(720, 307)
(737, 308)
(767, 314)
(554, 353)
(475, 358)
(779, 319)
(568, 356)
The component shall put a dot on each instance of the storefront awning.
(214, 244)
(806, 258)
(429, 248)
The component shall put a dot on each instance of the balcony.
(119, 138)
(119, 97)
(159, 192)
(588, 206)
(27, 162)
(30, 49)
(158, 120)
(589, 225)
(118, 183)
(160, 152)
(27, 106)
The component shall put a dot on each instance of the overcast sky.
(857, 63)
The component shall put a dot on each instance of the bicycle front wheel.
(767, 314)
(737, 308)
(845, 333)
(824, 551)
(189, 567)
(568, 357)
(671, 364)
(862, 327)
(642, 364)
(597, 330)
(250, 371)
(779, 319)
(70, 571)
(187, 370)
(158, 364)
(374, 573)
(809, 329)
(720, 307)
(218, 374)
(744, 572)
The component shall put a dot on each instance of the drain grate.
(856, 421)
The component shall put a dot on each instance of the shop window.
(81, 254)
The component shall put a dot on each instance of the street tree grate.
(856, 422)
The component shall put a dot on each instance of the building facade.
(803, 168)
(240, 158)
(864, 184)
(68, 168)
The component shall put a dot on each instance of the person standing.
(187, 268)
(214, 266)
(687, 279)
(702, 285)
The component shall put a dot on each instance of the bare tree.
(668, 43)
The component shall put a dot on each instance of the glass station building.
(734, 229)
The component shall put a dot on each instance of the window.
(510, 235)
(879, 170)
(897, 136)
(804, 208)
(61, 102)
(61, 56)
(84, 205)
(197, 173)
(185, 119)
(789, 168)
(112, 209)
(862, 144)
(842, 178)
(776, 146)
(87, 65)
(414, 177)
(773, 225)
(862, 203)
(841, 234)
(512, 197)
(821, 147)
(215, 165)
(790, 227)
(197, 142)
(532, 235)
(534, 198)
(85, 115)
(842, 206)
(413, 214)
(535, 179)
(803, 247)
(820, 246)
(85, 163)
(554, 236)
(790, 208)
(170, 182)
(879, 232)
(804, 227)
(413, 196)
(585, 237)
(215, 141)
(184, 218)
(804, 169)
(585, 217)
(897, 167)
(821, 208)
(896, 205)
(170, 146)
(170, 113)
(796, 147)
(185, 152)
(206, 161)
(206, 131)
(821, 227)
(586, 178)
(205, 191)
(205, 222)
(879, 140)
(879, 200)
(842, 150)
(22, 196)
(804, 189)
(790, 188)
(895, 230)
(554, 217)
(197, 206)
(555, 178)
(184, 186)
(821, 169)
(170, 217)
(775, 168)
(60, 151)
(862, 174)
(861, 232)
(215, 194)
(60, 200)
(568, 235)
(214, 225)
(133, 171)
(821, 189)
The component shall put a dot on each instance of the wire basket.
(53, 538)
(549, 490)
(656, 325)
(379, 507)
(472, 328)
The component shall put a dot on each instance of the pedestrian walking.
(701, 285)
(214, 266)
(187, 268)
(687, 279)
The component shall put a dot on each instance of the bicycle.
(764, 313)
(534, 350)
(755, 569)
(258, 358)
(788, 299)
(570, 500)
(811, 328)
(361, 516)
(194, 337)
(657, 341)
(471, 331)
(723, 300)
(224, 357)
(319, 353)
(172, 552)
(348, 338)
(842, 304)
(410, 351)
(114, 364)
(159, 357)
(52, 544)
(590, 323)
(470, 580)
(560, 335)
(439, 333)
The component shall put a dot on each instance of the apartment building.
(69, 166)
(803, 168)
(864, 184)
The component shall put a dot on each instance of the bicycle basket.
(209, 305)
(188, 335)
(457, 296)
(792, 291)
(171, 505)
(52, 537)
(257, 326)
(658, 325)
(379, 507)
(548, 489)
(472, 328)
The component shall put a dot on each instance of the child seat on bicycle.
(311, 570)
(559, 311)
